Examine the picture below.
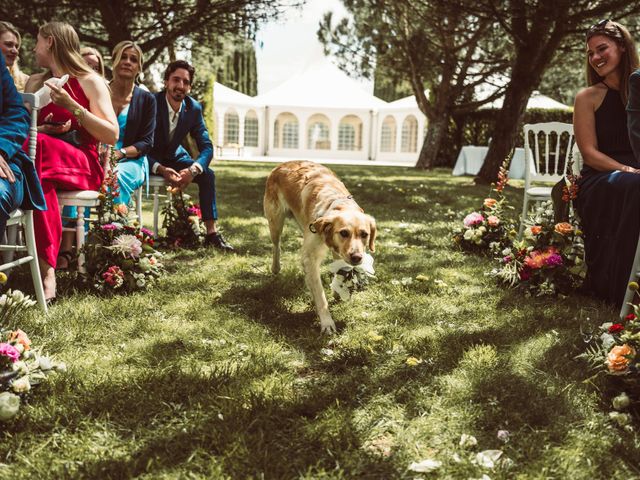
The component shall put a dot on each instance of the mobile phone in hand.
(55, 124)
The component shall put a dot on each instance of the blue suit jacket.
(633, 113)
(14, 128)
(190, 121)
(141, 121)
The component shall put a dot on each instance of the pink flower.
(109, 226)
(493, 221)
(9, 351)
(114, 276)
(553, 260)
(474, 218)
(147, 232)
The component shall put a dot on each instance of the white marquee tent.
(321, 113)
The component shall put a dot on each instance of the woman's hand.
(54, 129)
(61, 98)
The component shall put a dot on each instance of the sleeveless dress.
(608, 206)
(62, 166)
(131, 172)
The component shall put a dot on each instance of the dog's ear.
(324, 226)
(372, 233)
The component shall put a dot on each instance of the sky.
(284, 48)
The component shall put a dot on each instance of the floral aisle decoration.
(119, 256)
(488, 230)
(615, 352)
(22, 366)
(182, 221)
(548, 260)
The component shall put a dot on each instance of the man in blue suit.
(19, 183)
(177, 115)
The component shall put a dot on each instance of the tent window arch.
(251, 129)
(388, 135)
(285, 131)
(231, 127)
(318, 136)
(350, 133)
(409, 135)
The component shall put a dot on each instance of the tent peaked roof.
(229, 95)
(321, 85)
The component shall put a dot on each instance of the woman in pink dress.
(79, 116)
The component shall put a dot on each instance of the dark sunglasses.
(601, 27)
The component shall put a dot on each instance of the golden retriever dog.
(329, 217)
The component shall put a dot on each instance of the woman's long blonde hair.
(116, 55)
(19, 78)
(65, 50)
(629, 60)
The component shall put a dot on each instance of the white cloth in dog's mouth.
(349, 278)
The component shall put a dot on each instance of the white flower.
(621, 402)
(326, 351)
(621, 419)
(20, 367)
(468, 234)
(425, 466)
(128, 245)
(467, 441)
(9, 406)
(45, 363)
(503, 435)
(17, 296)
(21, 385)
(488, 458)
(607, 341)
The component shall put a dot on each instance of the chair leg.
(12, 236)
(525, 206)
(156, 212)
(80, 239)
(30, 241)
(138, 200)
(633, 277)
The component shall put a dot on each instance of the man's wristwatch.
(194, 170)
(123, 152)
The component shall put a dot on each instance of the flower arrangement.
(21, 365)
(488, 230)
(548, 260)
(182, 221)
(616, 353)
(118, 256)
(348, 279)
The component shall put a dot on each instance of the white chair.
(550, 166)
(156, 182)
(25, 218)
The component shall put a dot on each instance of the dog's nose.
(356, 258)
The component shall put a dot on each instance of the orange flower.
(20, 337)
(618, 358)
(563, 228)
(536, 229)
(490, 202)
(122, 209)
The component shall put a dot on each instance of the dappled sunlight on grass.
(220, 370)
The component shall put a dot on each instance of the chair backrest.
(31, 100)
(578, 161)
(549, 145)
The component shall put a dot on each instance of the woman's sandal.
(68, 257)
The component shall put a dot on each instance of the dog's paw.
(328, 328)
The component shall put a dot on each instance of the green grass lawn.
(220, 370)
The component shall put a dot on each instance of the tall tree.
(435, 47)
(536, 29)
(158, 26)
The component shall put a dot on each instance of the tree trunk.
(436, 132)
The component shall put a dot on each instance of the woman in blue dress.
(609, 187)
(136, 111)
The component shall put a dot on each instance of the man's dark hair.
(173, 66)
